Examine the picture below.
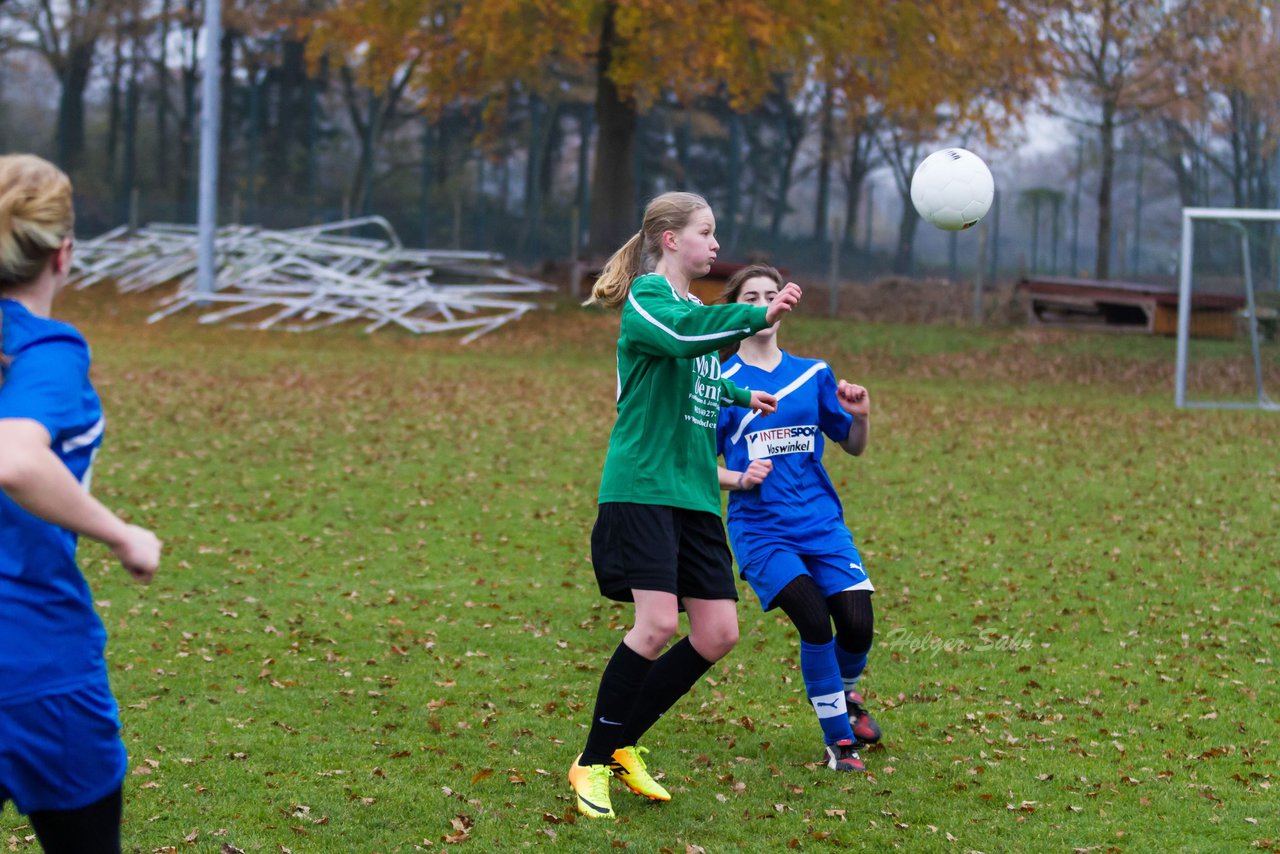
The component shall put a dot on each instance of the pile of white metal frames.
(308, 278)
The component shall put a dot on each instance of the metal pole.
(1136, 263)
(1184, 312)
(209, 120)
(1251, 305)
(978, 269)
(1075, 208)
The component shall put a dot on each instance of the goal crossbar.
(1233, 218)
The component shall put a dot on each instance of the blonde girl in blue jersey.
(786, 522)
(658, 539)
(61, 758)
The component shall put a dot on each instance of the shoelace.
(599, 783)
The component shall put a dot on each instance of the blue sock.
(851, 666)
(822, 683)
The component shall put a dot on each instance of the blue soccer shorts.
(770, 570)
(61, 752)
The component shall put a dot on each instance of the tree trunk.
(550, 149)
(1106, 142)
(827, 144)
(794, 136)
(684, 138)
(186, 189)
(362, 190)
(129, 165)
(74, 77)
(586, 124)
(734, 203)
(859, 166)
(162, 99)
(288, 132)
(612, 183)
(532, 179)
(114, 109)
(231, 117)
(905, 255)
(257, 83)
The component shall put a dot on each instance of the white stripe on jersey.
(87, 480)
(731, 371)
(710, 336)
(86, 438)
(790, 387)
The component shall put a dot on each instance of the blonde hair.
(35, 217)
(640, 254)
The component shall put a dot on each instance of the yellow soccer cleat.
(628, 766)
(591, 785)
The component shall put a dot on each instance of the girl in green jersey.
(658, 540)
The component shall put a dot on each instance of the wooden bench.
(1125, 307)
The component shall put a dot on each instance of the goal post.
(1234, 219)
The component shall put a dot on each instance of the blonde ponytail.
(640, 254)
(610, 290)
(36, 216)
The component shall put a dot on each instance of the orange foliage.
(935, 65)
(970, 60)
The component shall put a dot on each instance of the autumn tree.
(917, 73)
(637, 50)
(1225, 124)
(65, 35)
(1129, 61)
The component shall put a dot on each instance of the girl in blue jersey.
(62, 762)
(786, 523)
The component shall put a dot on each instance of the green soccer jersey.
(663, 446)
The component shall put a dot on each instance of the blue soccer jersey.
(796, 507)
(51, 640)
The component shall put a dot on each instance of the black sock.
(854, 618)
(94, 829)
(619, 685)
(671, 677)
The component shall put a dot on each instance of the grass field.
(377, 629)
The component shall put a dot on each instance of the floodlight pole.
(209, 122)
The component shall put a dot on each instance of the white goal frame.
(1233, 217)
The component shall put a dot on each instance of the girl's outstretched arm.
(37, 481)
(658, 321)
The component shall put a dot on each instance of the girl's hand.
(854, 399)
(763, 402)
(782, 303)
(138, 551)
(755, 474)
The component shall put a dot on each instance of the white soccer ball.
(952, 189)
